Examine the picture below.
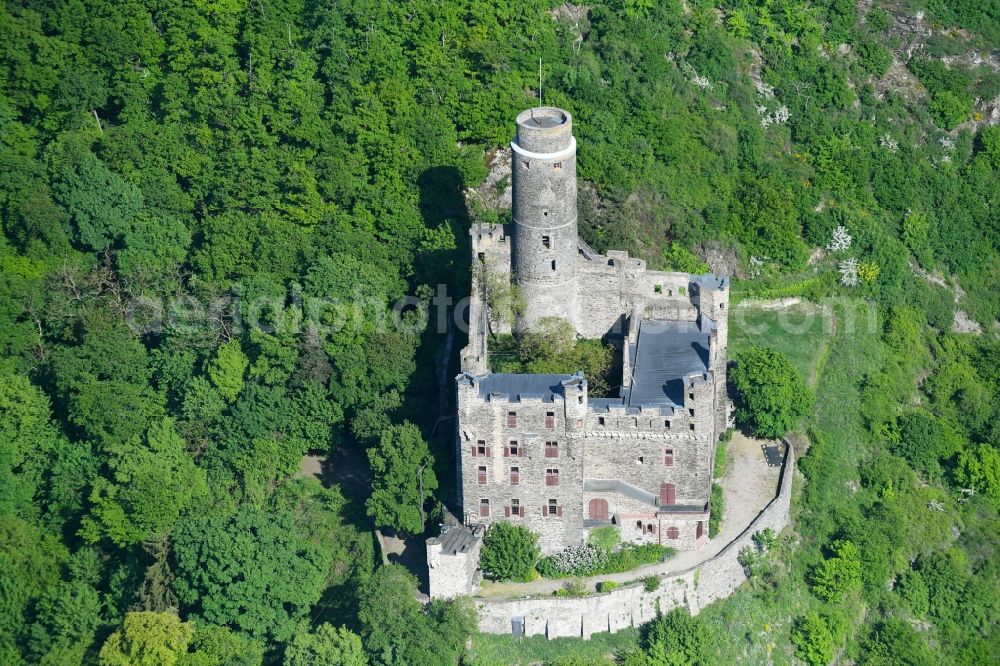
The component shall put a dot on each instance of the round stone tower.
(544, 251)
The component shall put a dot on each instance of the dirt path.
(748, 485)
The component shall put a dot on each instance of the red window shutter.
(521, 452)
(474, 451)
(515, 478)
(559, 511)
(506, 452)
(506, 512)
(668, 458)
(668, 494)
(522, 511)
(489, 451)
(545, 510)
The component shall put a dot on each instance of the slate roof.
(665, 352)
(522, 386)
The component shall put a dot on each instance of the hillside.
(210, 208)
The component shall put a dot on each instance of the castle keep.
(537, 449)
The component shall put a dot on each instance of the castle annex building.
(540, 451)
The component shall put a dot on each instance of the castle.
(537, 449)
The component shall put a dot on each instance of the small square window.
(657, 288)
(691, 426)
(557, 166)
(547, 242)
(514, 448)
(666, 424)
(553, 264)
(526, 164)
(690, 396)
(690, 412)
(484, 508)
(600, 420)
(554, 508)
(482, 474)
(641, 460)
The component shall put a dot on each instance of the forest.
(211, 210)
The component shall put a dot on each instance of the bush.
(950, 109)
(589, 560)
(771, 396)
(651, 583)
(716, 505)
(572, 588)
(838, 575)
(607, 586)
(813, 639)
(765, 539)
(509, 552)
(605, 538)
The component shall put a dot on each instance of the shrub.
(813, 639)
(589, 560)
(607, 586)
(765, 539)
(717, 504)
(950, 109)
(509, 552)
(651, 583)
(605, 538)
(572, 588)
(840, 574)
(771, 396)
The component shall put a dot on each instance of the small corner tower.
(544, 248)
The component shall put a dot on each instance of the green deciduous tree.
(253, 571)
(148, 639)
(509, 552)
(771, 396)
(227, 369)
(335, 646)
(839, 574)
(814, 642)
(403, 479)
(398, 631)
(153, 482)
(101, 202)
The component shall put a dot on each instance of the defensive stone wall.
(632, 605)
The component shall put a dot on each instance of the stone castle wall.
(632, 606)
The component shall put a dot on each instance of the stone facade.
(632, 605)
(537, 449)
(453, 561)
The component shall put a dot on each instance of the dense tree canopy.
(209, 211)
